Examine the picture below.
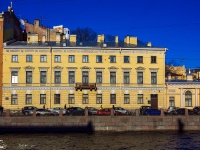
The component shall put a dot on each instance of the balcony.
(91, 86)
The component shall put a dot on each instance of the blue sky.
(174, 24)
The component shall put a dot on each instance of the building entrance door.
(154, 101)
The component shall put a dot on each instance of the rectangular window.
(99, 99)
(14, 99)
(14, 77)
(126, 59)
(71, 77)
(126, 78)
(56, 98)
(71, 58)
(29, 77)
(57, 77)
(43, 77)
(188, 100)
(153, 59)
(140, 59)
(28, 58)
(85, 59)
(42, 98)
(140, 98)
(140, 77)
(43, 58)
(98, 77)
(85, 98)
(153, 77)
(112, 98)
(14, 58)
(126, 99)
(57, 58)
(171, 101)
(85, 78)
(71, 99)
(112, 59)
(112, 77)
(99, 59)
(28, 98)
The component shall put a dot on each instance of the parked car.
(122, 110)
(143, 108)
(170, 110)
(92, 110)
(42, 111)
(75, 111)
(56, 110)
(107, 111)
(151, 111)
(196, 110)
(28, 110)
(181, 111)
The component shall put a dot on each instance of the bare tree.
(85, 34)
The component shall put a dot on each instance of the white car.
(56, 110)
(123, 111)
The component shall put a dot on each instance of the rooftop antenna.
(11, 4)
(41, 20)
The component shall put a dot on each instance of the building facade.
(80, 74)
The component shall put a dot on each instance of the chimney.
(72, 40)
(116, 39)
(36, 22)
(189, 76)
(43, 38)
(130, 40)
(100, 38)
(169, 77)
(58, 37)
(149, 44)
(32, 38)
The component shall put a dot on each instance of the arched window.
(188, 98)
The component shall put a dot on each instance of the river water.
(167, 140)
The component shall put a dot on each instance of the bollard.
(186, 112)
(86, 112)
(34, 113)
(137, 112)
(162, 112)
(112, 112)
(8, 113)
(60, 113)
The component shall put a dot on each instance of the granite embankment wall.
(99, 123)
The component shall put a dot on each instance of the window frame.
(153, 59)
(99, 59)
(14, 58)
(71, 78)
(57, 58)
(85, 76)
(98, 98)
(29, 58)
(188, 99)
(112, 59)
(153, 77)
(56, 98)
(99, 77)
(126, 78)
(71, 58)
(126, 99)
(57, 77)
(140, 77)
(171, 101)
(71, 99)
(29, 77)
(42, 98)
(140, 59)
(85, 99)
(126, 59)
(28, 98)
(14, 99)
(85, 59)
(140, 98)
(14, 78)
(112, 77)
(43, 77)
(112, 98)
(43, 58)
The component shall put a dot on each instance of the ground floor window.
(112, 98)
(57, 99)
(171, 101)
(28, 98)
(71, 99)
(85, 98)
(140, 98)
(14, 99)
(42, 98)
(188, 98)
(126, 99)
(99, 98)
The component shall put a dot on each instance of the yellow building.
(126, 74)
(183, 93)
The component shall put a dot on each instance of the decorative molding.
(57, 68)
(113, 68)
(85, 68)
(140, 68)
(154, 69)
(43, 68)
(29, 68)
(126, 69)
(71, 68)
(14, 68)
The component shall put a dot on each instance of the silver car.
(56, 110)
(123, 111)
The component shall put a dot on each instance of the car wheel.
(26, 113)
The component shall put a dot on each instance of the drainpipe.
(120, 50)
(50, 73)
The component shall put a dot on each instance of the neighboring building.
(83, 74)
(183, 93)
(9, 30)
(175, 72)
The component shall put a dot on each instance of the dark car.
(92, 110)
(143, 108)
(151, 111)
(196, 110)
(28, 110)
(107, 111)
(181, 111)
(170, 110)
(75, 111)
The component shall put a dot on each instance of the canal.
(166, 140)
